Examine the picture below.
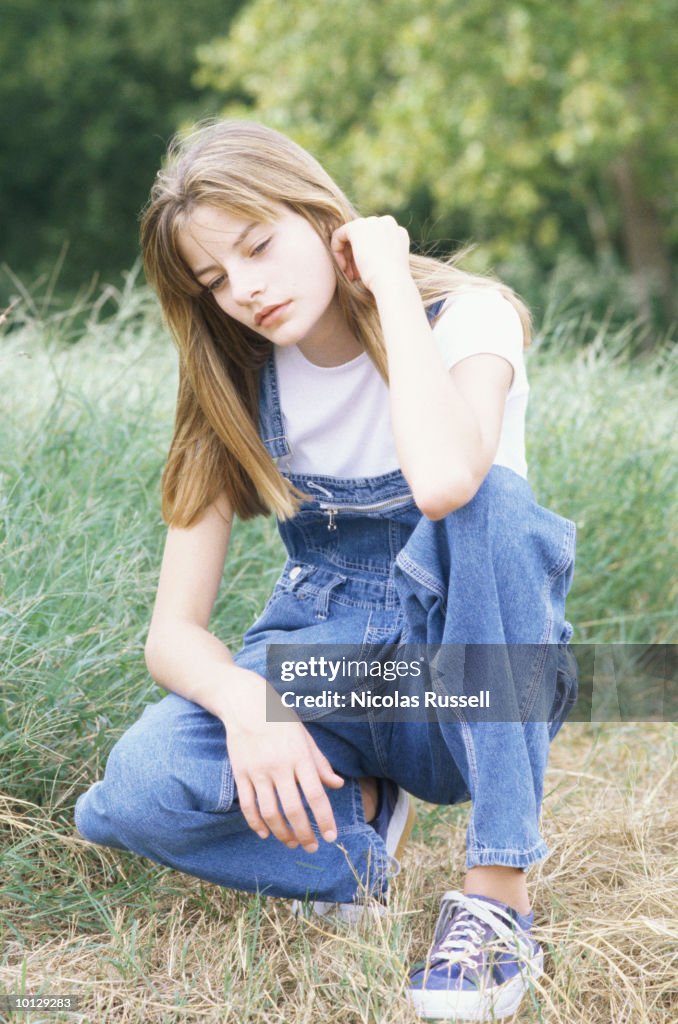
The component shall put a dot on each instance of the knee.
(93, 821)
(119, 806)
(126, 805)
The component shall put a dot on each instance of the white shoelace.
(461, 944)
(463, 941)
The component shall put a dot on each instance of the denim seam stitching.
(564, 559)
(489, 857)
(493, 850)
(537, 675)
(358, 809)
(226, 786)
(350, 563)
(376, 739)
(467, 740)
(566, 552)
(511, 849)
(412, 569)
(373, 483)
(347, 602)
(325, 595)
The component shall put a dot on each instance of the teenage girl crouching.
(375, 402)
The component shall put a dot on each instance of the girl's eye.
(216, 284)
(261, 247)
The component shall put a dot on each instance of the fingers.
(296, 815)
(339, 238)
(368, 248)
(248, 806)
(279, 809)
(317, 800)
(284, 781)
(327, 774)
(270, 811)
(341, 247)
(261, 810)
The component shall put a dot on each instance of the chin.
(285, 337)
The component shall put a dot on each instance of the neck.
(331, 342)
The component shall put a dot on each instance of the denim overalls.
(364, 567)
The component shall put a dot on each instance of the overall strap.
(434, 309)
(271, 426)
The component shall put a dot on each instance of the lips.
(268, 313)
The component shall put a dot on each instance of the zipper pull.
(331, 513)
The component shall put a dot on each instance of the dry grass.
(172, 948)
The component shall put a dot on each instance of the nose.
(246, 284)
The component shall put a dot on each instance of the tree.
(90, 92)
(553, 122)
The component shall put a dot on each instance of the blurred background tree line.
(546, 134)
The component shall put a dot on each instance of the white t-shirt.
(338, 419)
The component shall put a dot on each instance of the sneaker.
(482, 961)
(393, 821)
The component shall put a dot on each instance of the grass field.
(83, 435)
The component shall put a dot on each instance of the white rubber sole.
(401, 824)
(494, 1004)
(349, 913)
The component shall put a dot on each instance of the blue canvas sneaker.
(482, 961)
(393, 821)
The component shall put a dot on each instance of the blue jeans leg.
(168, 794)
(490, 580)
(503, 764)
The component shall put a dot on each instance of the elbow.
(153, 654)
(437, 498)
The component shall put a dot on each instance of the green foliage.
(538, 131)
(90, 92)
(510, 124)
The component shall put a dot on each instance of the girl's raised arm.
(446, 425)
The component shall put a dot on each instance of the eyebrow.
(241, 238)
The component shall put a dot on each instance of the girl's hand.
(273, 764)
(373, 250)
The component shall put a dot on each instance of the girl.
(375, 402)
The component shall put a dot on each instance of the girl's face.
(277, 278)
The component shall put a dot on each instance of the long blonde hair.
(246, 169)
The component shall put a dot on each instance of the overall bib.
(365, 567)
